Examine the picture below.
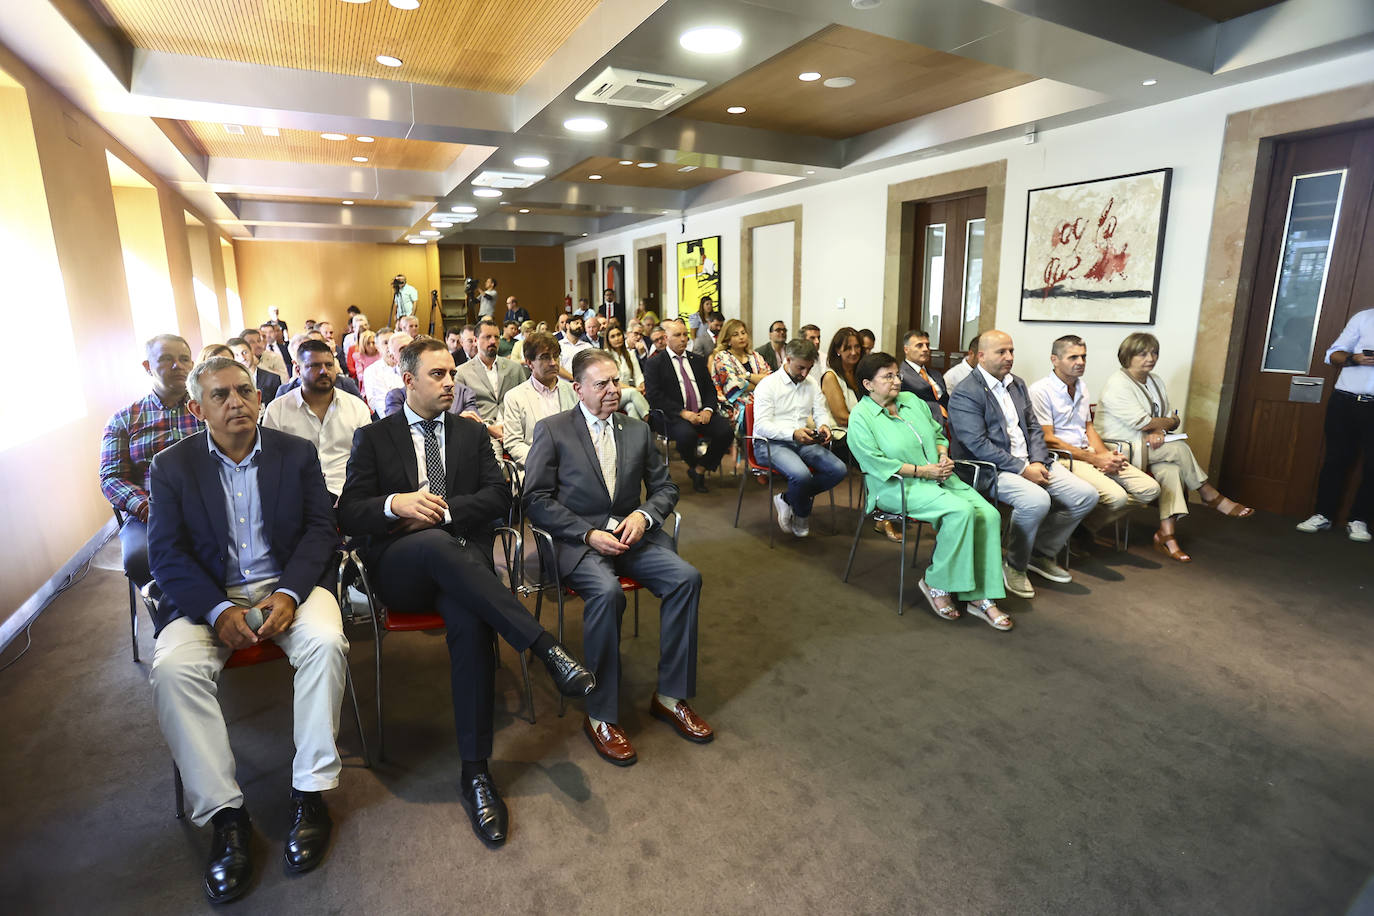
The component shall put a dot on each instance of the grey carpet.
(1153, 738)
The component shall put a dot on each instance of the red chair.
(544, 545)
(757, 470)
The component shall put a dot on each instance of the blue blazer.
(188, 532)
(980, 430)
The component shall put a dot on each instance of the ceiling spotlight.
(386, 60)
(441, 224)
(347, 203)
(864, 4)
(810, 171)
(839, 82)
(810, 76)
(584, 125)
(333, 136)
(593, 177)
(366, 140)
(431, 233)
(710, 40)
(524, 209)
(736, 109)
(486, 192)
(359, 158)
(531, 162)
(1149, 82)
(464, 208)
(584, 235)
(270, 132)
(417, 240)
(405, 4)
(688, 168)
(627, 162)
(647, 165)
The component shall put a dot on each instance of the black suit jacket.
(662, 385)
(614, 310)
(384, 462)
(912, 381)
(268, 383)
(566, 495)
(188, 531)
(980, 428)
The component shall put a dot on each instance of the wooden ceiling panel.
(1222, 10)
(357, 202)
(664, 175)
(484, 45)
(895, 81)
(310, 148)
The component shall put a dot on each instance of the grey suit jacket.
(566, 496)
(980, 429)
(769, 356)
(703, 344)
(509, 374)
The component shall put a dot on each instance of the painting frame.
(612, 277)
(698, 274)
(1072, 289)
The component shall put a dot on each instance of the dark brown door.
(946, 278)
(650, 281)
(1317, 219)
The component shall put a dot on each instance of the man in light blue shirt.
(405, 296)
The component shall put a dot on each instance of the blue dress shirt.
(1357, 337)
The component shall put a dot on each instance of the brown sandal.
(1174, 553)
(1236, 510)
(890, 530)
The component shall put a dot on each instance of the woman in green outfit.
(900, 447)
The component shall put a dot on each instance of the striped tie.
(434, 460)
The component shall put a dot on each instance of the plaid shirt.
(132, 438)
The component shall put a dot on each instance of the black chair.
(136, 596)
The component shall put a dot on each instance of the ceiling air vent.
(633, 89)
(496, 255)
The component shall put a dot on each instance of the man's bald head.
(996, 353)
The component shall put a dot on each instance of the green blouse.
(882, 443)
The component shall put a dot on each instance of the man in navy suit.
(266, 382)
(991, 416)
(678, 383)
(921, 378)
(241, 540)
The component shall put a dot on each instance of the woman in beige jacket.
(1134, 409)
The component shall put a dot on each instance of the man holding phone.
(1349, 430)
(791, 415)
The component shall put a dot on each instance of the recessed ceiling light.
(359, 158)
(234, 129)
(441, 224)
(584, 235)
(647, 165)
(386, 60)
(688, 168)
(347, 203)
(627, 162)
(1149, 82)
(417, 241)
(486, 192)
(810, 76)
(524, 209)
(593, 177)
(405, 4)
(810, 171)
(333, 136)
(864, 4)
(839, 82)
(431, 233)
(270, 132)
(531, 162)
(464, 208)
(710, 40)
(584, 125)
(736, 109)
(366, 140)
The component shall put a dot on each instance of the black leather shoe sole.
(472, 819)
(677, 727)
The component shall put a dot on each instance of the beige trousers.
(187, 660)
(1118, 493)
(1177, 472)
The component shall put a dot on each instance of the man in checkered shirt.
(135, 435)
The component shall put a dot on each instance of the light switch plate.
(840, 303)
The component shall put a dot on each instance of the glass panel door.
(973, 279)
(1309, 230)
(933, 280)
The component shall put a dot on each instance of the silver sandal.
(998, 620)
(931, 592)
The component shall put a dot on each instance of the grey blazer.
(980, 430)
(769, 356)
(509, 374)
(564, 492)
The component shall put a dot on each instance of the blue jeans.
(809, 469)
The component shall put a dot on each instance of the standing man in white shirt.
(544, 394)
(382, 376)
(1349, 430)
(791, 414)
(404, 296)
(320, 413)
(1060, 401)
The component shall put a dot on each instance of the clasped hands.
(418, 510)
(938, 472)
(1108, 462)
(279, 612)
(624, 536)
(696, 417)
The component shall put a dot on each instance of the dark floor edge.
(28, 612)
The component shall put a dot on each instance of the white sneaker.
(1017, 581)
(784, 513)
(801, 527)
(1316, 523)
(1358, 531)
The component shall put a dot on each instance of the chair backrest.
(749, 441)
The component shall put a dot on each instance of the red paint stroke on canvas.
(1110, 260)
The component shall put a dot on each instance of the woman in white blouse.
(631, 377)
(1134, 408)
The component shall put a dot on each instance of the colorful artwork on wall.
(1094, 250)
(698, 274)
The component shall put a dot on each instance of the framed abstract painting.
(1094, 250)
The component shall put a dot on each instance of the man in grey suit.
(992, 420)
(707, 333)
(490, 376)
(583, 480)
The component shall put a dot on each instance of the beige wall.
(51, 486)
(536, 279)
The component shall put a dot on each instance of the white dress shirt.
(681, 364)
(378, 379)
(1357, 337)
(417, 439)
(610, 457)
(333, 436)
(1053, 406)
(957, 374)
(570, 348)
(782, 406)
(1013, 422)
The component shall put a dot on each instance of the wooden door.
(946, 278)
(650, 281)
(1317, 219)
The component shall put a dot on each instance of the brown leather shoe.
(610, 742)
(682, 717)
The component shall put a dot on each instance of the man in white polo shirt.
(1060, 401)
(320, 413)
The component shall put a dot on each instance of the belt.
(1361, 398)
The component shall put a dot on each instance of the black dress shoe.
(571, 677)
(486, 810)
(308, 837)
(699, 482)
(231, 861)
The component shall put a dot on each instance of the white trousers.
(187, 660)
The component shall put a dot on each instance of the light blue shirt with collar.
(250, 554)
(417, 439)
(1357, 337)
(591, 421)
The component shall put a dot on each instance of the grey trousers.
(1042, 518)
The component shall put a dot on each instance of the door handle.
(1307, 383)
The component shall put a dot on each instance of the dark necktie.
(689, 393)
(434, 459)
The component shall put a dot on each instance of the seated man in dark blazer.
(242, 529)
(921, 378)
(267, 382)
(583, 480)
(678, 383)
(425, 490)
(992, 419)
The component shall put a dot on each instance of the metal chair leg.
(636, 613)
(854, 547)
(901, 569)
(771, 525)
(357, 715)
(529, 693)
(133, 618)
(562, 700)
(834, 520)
(180, 792)
(743, 478)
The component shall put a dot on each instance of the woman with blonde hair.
(1134, 409)
(736, 369)
(364, 354)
